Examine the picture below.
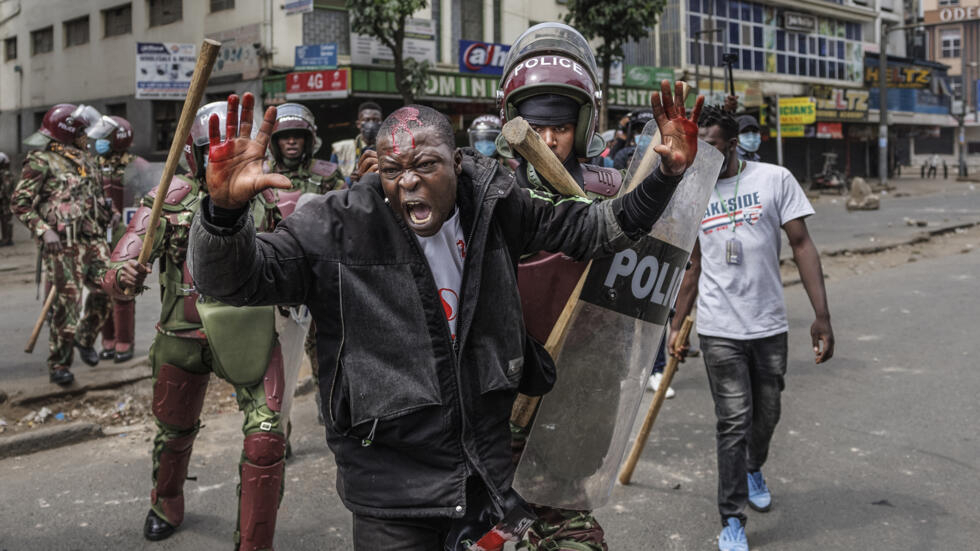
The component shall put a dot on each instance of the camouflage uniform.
(60, 190)
(6, 216)
(119, 330)
(183, 356)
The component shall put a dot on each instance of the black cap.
(549, 110)
(745, 122)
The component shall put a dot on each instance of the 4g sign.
(317, 84)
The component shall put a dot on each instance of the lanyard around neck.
(738, 178)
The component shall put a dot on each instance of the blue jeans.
(746, 379)
(661, 361)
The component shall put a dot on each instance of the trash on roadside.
(43, 415)
(60, 416)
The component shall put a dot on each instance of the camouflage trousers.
(185, 394)
(69, 270)
(557, 529)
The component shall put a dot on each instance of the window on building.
(221, 5)
(973, 147)
(39, 118)
(950, 42)
(117, 109)
(76, 32)
(163, 12)
(165, 114)
(10, 48)
(118, 20)
(949, 2)
(42, 41)
(472, 15)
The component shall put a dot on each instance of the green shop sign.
(466, 87)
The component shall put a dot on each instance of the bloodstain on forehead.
(404, 116)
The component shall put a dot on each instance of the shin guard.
(167, 496)
(261, 489)
(124, 318)
(178, 396)
(109, 334)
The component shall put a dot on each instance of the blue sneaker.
(732, 537)
(759, 497)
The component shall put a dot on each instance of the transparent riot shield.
(292, 325)
(583, 425)
(139, 178)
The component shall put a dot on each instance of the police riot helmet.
(483, 132)
(60, 124)
(554, 59)
(198, 140)
(293, 117)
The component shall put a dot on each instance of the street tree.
(615, 23)
(385, 20)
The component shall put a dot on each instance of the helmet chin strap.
(291, 163)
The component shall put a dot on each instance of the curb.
(134, 373)
(47, 438)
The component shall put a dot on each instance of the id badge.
(733, 251)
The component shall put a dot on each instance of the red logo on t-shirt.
(462, 248)
(450, 301)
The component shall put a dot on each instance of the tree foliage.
(615, 23)
(385, 20)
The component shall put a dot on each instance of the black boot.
(124, 356)
(87, 354)
(107, 354)
(61, 376)
(156, 529)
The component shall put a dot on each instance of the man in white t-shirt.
(741, 320)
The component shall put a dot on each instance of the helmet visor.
(103, 128)
(199, 130)
(86, 115)
(555, 38)
(295, 113)
(483, 134)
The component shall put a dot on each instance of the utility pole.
(779, 137)
(697, 64)
(883, 106)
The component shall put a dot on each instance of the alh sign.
(952, 14)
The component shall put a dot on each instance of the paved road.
(834, 228)
(876, 450)
(20, 311)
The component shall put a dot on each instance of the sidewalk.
(911, 212)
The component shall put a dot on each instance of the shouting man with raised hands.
(411, 280)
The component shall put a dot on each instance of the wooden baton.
(202, 71)
(523, 139)
(40, 320)
(658, 400)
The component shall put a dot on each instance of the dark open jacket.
(409, 415)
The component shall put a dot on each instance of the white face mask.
(750, 141)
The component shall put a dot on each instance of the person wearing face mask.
(347, 153)
(61, 200)
(749, 138)
(110, 138)
(742, 323)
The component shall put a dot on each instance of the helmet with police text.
(483, 132)
(293, 117)
(123, 138)
(110, 133)
(60, 124)
(554, 60)
(196, 148)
